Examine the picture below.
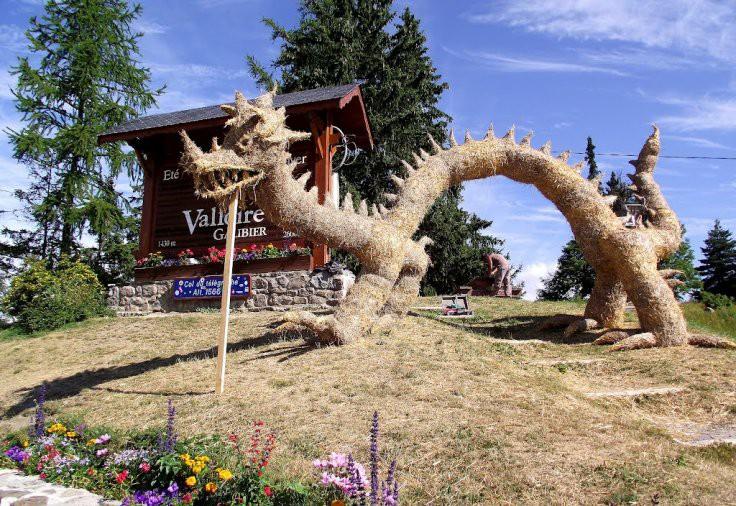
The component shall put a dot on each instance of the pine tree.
(341, 41)
(718, 266)
(616, 186)
(573, 279)
(684, 260)
(593, 171)
(82, 78)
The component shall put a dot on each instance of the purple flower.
(17, 454)
(374, 460)
(168, 444)
(102, 452)
(103, 439)
(149, 498)
(39, 418)
(173, 489)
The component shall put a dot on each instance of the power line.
(682, 157)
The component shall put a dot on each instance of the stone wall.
(273, 290)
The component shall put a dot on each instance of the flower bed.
(154, 469)
(216, 255)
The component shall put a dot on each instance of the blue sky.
(565, 69)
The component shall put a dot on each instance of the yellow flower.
(210, 488)
(224, 474)
(191, 481)
(25, 443)
(337, 502)
(91, 442)
(56, 428)
(71, 433)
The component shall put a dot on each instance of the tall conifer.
(718, 266)
(341, 41)
(81, 78)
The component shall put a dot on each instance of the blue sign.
(210, 287)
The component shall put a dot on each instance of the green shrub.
(41, 299)
(716, 300)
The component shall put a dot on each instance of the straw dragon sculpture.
(254, 157)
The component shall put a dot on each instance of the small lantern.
(635, 211)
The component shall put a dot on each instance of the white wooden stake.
(227, 281)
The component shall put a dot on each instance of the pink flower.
(145, 467)
(102, 452)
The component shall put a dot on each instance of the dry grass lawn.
(481, 411)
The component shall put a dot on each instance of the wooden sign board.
(210, 287)
(184, 221)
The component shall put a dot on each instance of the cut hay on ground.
(470, 419)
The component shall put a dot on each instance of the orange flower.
(210, 488)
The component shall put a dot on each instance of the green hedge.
(42, 299)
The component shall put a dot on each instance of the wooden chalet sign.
(175, 219)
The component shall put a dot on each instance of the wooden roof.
(335, 97)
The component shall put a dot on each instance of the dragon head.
(257, 138)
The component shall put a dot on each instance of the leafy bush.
(41, 299)
(716, 300)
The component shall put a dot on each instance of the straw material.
(254, 157)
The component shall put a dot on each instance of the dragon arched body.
(254, 157)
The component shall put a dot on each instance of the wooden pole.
(227, 281)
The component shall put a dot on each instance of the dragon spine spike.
(436, 148)
(423, 154)
(425, 241)
(228, 109)
(215, 144)
(634, 162)
(578, 166)
(468, 137)
(347, 204)
(610, 199)
(633, 187)
(526, 141)
(511, 135)
(596, 181)
(304, 178)
(490, 134)
(329, 202)
(564, 156)
(409, 169)
(390, 197)
(312, 193)
(397, 180)
(546, 148)
(382, 209)
(417, 159)
(453, 141)
(189, 146)
(632, 177)
(374, 210)
(363, 208)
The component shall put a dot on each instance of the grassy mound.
(485, 410)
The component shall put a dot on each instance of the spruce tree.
(573, 279)
(617, 186)
(718, 266)
(341, 41)
(593, 170)
(684, 260)
(82, 78)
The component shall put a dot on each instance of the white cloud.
(698, 141)
(532, 276)
(517, 64)
(706, 113)
(12, 38)
(562, 124)
(634, 57)
(707, 27)
(701, 226)
(150, 27)
(188, 70)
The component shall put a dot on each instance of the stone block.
(259, 283)
(149, 290)
(316, 299)
(128, 291)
